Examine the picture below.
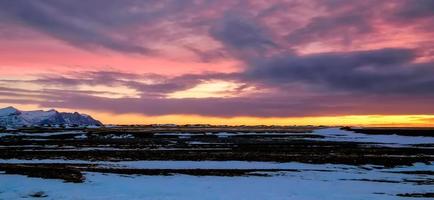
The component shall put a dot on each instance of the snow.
(49, 133)
(332, 134)
(221, 165)
(256, 134)
(175, 134)
(340, 183)
(79, 134)
(310, 182)
(336, 134)
(36, 116)
(6, 134)
(227, 134)
(12, 117)
(156, 164)
(7, 111)
(203, 143)
(91, 126)
(118, 136)
(165, 164)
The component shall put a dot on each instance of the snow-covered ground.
(336, 134)
(42, 134)
(331, 134)
(300, 181)
(311, 182)
(157, 164)
(79, 134)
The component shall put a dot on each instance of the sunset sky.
(331, 62)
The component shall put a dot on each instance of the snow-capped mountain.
(12, 117)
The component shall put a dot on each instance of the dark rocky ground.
(144, 143)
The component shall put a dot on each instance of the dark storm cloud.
(241, 33)
(387, 71)
(375, 71)
(77, 23)
(411, 9)
(267, 106)
(342, 22)
(379, 71)
(90, 24)
(342, 27)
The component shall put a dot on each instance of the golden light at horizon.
(351, 120)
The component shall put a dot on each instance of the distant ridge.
(12, 117)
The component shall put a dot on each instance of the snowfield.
(311, 183)
(281, 180)
(42, 134)
(12, 117)
(330, 134)
(336, 134)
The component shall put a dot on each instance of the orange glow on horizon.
(350, 120)
(346, 120)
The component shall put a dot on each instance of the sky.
(283, 62)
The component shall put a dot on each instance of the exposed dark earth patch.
(38, 195)
(417, 195)
(68, 174)
(74, 172)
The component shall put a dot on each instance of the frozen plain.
(306, 182)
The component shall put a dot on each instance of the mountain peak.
(12, 117)
(8, 110)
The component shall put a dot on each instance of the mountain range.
(12, 117)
